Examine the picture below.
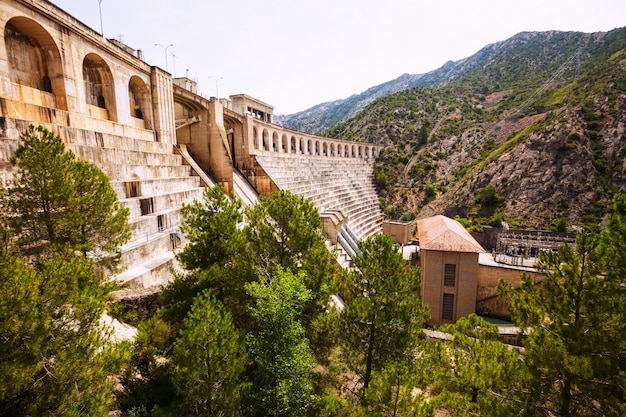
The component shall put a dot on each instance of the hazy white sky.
(294, 54)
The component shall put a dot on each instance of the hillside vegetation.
(540, 117)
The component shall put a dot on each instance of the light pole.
(217, 94)
(173, 64)
(165, 49)
(100, 9)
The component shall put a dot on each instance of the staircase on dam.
(332, 184)
(153, 182)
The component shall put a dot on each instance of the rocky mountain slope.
(540, 116)
(323, 116)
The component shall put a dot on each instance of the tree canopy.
(574, 324)
(383, 314)
(63, 223)
(56, 199)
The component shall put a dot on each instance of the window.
(447, 308)
(147, 206)
(449, 275)
(161, 222)
(132, 189)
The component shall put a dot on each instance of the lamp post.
(165, 50)
(217, 94)
(100, 9)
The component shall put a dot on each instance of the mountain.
(323, 116)
(538, 119)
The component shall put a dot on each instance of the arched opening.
(302, 146)
(340, 150)
(34, 60)
(292, 147)
(255, 139)
(284, 142)
(275, 142)
(325, 149)
(317, 148)
(266, 140)
(99, 87)
(309, 147)
(139, 98)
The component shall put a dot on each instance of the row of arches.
(315, 146)
(35, 61)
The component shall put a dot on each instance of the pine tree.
(54, 358)
(286, 230)
(213, 258)
(57, 200)
(392, 391)
(383, 314)
(211, 226)
(574, 320)
(474, 373)
(208, 361)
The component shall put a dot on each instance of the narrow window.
(447, 308)
(161, 222)
(147, 206)
(132, 189)
(449, 275)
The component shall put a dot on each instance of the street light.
(165, 49)
(217, 94)
(100, 8)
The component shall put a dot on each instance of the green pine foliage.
(62, 224)
(383, 315)
(56, 199)
(54, 355)
(574, 321)
(473, 372)
(208, 361)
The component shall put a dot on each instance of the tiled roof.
(445, 234)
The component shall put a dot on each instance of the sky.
(294, 54)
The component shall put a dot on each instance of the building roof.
(445, 234)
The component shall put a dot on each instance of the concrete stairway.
(153, 182)
(344, 184)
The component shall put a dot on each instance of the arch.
(284, 143)
(309, 147)
(255, 138)
(325, 148)
(333, 149)
(293, 145)
(34, 59)
(317, 148)
(99, 85)
(360, 151)
(140, 101)
(302, 146)
(275, 146)
(266, 141)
